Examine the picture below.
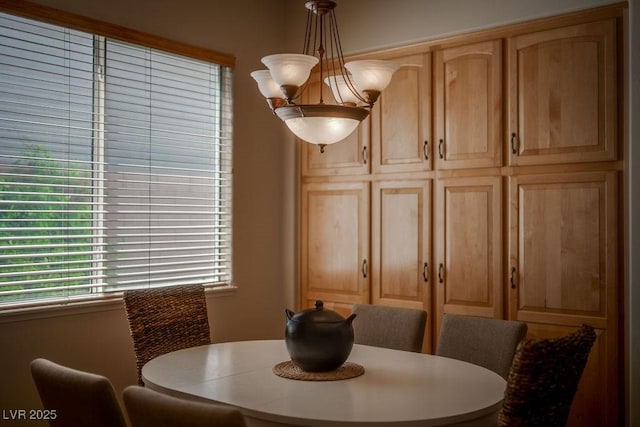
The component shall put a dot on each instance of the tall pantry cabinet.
(468, 129)
(564, 206)
(486, 182)
(371, 214)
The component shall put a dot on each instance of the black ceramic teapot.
(318, 340)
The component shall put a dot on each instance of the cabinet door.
(347, 157)
(401, 246)
(469, 106)
(563, 266)
(562, 95)
(469, 247)
(334, 248)
(400, 120)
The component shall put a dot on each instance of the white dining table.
(398, 388)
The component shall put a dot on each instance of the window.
(115, 166)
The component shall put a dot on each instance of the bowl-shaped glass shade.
(290, 69)
(267, 87)
(321, 123)
(322, 130)
(372, 75)
(340, 89)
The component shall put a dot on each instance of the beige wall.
(97, 338)
(264, 166)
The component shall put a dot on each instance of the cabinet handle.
(440, 153)
(514, 149)
(364, 268)
(425, 271)
(425, 150)
(440, 273)
(513, 278)
(364, 155)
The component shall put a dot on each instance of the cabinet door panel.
(335, 242)
(563, 257)
(469, 106)
(563, 247)
(343, 308)
(562, 98)
(401, 118)
(347, 157)
(401, 247)
(469, 239)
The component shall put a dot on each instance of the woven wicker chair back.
(162, 320)
(543, 379)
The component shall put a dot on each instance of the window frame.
(103, 30)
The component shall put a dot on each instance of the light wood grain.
(401, 125)
(401, 273)
(562, 95)
(468, 106)
(335, 242)
(469, 247)
(563, 251)
(563, 245)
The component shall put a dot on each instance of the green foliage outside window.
(42, 220)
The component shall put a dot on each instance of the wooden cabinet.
(334, 250)
(399, 128)
(524, 165)
(563, 272)
(401, 119)
(562, 95)
(469, 247)
(401, 246)
(468, 106)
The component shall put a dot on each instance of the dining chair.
(483, 341)
(390, 327)
(149, 408)
(544, 378)
(76, 398)
(162, 320)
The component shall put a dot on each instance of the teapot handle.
(288, 313)
(349, 319)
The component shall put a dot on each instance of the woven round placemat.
(290, 370)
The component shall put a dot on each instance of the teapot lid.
(318, 314)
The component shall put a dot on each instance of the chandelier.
(355, 85)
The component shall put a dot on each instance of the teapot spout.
(349, 319)
(288, 313)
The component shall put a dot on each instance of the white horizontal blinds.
(168, 164)
(115, 166)
(46, 183)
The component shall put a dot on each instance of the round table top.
(397, 387)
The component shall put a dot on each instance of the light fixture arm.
(355, 85)
(317, 30)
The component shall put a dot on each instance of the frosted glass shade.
(371, 75)
(290, 69)
(322, 130)
(340, 89)
(321, 123)
(267, 87)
